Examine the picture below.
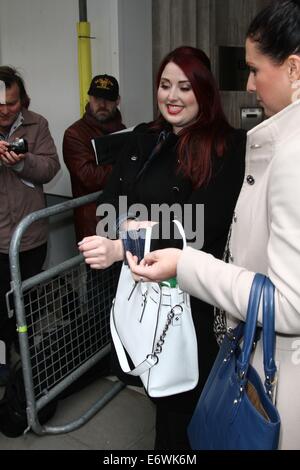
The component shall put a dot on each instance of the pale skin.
(156, 266)
(271, 82)
(8, 114)
(178, 105)
(273, 85)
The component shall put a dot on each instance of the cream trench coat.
(265, 238)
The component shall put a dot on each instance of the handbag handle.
(260, 284)
(269, 336)
(251, 323)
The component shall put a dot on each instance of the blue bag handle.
(251, 324)
(260, 284)
(269, 336)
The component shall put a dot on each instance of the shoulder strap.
(269, 336)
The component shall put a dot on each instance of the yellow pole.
(84, 62)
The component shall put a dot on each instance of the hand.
(101, 252)
(3, 147)
(156, 266)
(9, 158)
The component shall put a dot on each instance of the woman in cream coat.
(266, 225)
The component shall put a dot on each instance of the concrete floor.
(125, 423)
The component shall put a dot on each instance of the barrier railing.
(62, 317)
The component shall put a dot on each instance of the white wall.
(135, 60)
(39, 37)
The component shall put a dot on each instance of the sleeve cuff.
(18, 167)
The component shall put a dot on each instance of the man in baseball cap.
(101, 117)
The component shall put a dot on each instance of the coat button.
(234, 218)
(231, 258)
(133, 158)
(255, 146)
(250, 180)
(175, 188)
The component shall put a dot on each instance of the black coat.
(160, 183)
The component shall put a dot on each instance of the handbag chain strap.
(160, 342)
(220, 321)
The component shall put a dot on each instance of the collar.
(18, 122)
(279, 127)
(108, 127)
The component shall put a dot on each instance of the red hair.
(206, 137)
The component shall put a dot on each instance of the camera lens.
(18, 146)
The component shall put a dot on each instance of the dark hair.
(276, 29)
(207, 135)
(9, 76)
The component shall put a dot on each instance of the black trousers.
(174, 413)
(31, 263)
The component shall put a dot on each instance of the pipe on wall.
(82, 10)
(84, 54)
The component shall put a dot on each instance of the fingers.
(139, 272)
(90, 243)
(97, 251)
(96, 256)
(96, 262)
(87, 240)
(152, 257)
(11, 158)
(90, 247)
(133, 264)
(132, 260)
(3, 147)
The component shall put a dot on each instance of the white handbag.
(152, 323)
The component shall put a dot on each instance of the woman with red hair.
(189, 155)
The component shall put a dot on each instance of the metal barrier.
(62, 317)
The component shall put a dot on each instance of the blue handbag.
(235, 410)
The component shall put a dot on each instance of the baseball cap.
(104, 86)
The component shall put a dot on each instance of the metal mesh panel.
(67, 322)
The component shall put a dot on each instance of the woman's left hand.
(101, 252)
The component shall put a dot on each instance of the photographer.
(25, 165)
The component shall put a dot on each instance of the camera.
(18, 146)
